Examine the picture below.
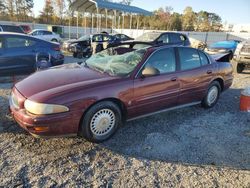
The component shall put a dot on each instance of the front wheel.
(212, 96)
(54, 40)
(101, 121)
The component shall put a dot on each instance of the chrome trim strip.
(165, 110)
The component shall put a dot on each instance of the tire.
(104, 116)
(54, 40)
(212, 96)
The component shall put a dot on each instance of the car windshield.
(110, 62)
(148, 37)
(85, 37)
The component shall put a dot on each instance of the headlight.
(44, 109)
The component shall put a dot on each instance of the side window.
(175, 38)
(164, 39)
(47, 33)
(97, 38)
(189, 58)
(204, 59)
(39, 33)
(15, 42)
(106, 38)
(124, 37)
(34, 33)
(163, 60)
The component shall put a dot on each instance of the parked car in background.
(19, 53)
(66, 44)
(45, 35)
(165, 38)
(87, 45)
(11, 28)
(26, 28)
(123, 37)
(223, 47)
(94, 98)
(241, 58)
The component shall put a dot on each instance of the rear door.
(157, 92)
(20, 54)
(195, 73)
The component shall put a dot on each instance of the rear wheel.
(212, 96)
(101, 121)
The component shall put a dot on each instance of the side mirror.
(159, 42)
(150, 71)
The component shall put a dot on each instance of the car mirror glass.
(150, 71)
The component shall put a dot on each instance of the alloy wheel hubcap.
(212, 95)
(102, 122)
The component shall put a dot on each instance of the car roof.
(41, 30)
(12, 33)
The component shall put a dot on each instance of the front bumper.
(48, 125)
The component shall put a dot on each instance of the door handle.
(209, 72)
(174, 79)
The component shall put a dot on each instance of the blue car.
(21, 54)
(223, 47)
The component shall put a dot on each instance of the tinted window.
(204, 59)
(189, 58)
(97, 38)
(175, 38)
(15, 42)
(164, 39)
(163, 60)
(106, 38)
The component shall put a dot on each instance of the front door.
(156, 92)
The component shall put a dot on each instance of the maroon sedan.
(96, 97)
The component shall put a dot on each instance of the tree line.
(56, 12)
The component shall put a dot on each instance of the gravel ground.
(190, 147)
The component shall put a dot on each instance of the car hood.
(58, 80)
